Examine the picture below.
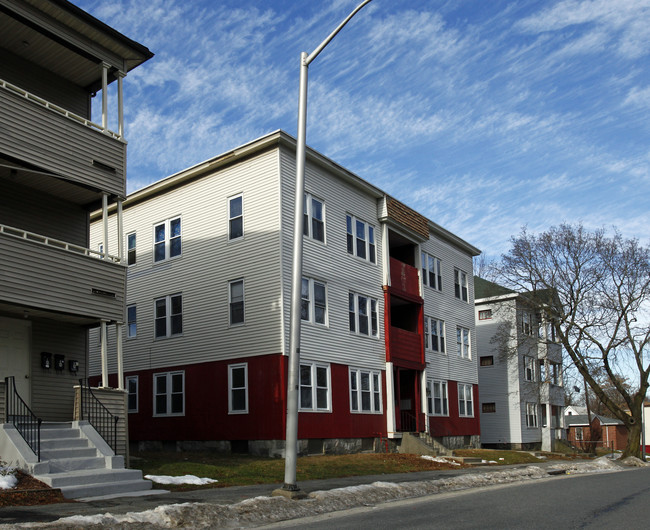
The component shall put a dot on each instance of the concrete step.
(58, 433)
(64, 452)
(90, 476)
(109, 488)
(63, 465)
(67, 443)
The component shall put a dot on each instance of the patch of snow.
(440, 459)
(185, 479)
(7, 478)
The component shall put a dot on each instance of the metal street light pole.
(291, 440)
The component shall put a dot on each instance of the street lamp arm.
(322, 45)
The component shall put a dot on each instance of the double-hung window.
(236, 301)
(169, 394)
(531, 414)
(556, 374)
(431, 272)
(365, 391)
(526, 323)
(131, 384)
(465, 402)
(314, 218)
(167, 239)
(434, 334)
(130, 249)
(361, 239)
(437, 398)
(169, 316)
(363, 315)
(462, 342)
(314, 387)
(529, 368)
(235, 217)
(485, 314)
(238, 388)
(314, 301)
(131, 321)
(460, 285)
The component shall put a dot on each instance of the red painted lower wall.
(453, 425)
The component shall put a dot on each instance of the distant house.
(601, 431)
(387, 343)
(521, 397)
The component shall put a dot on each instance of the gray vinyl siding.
(53, 391)
(55, 143)
(2, 402)
(201, 274)
(445, 306)
(329, 262)
(44, 84)
(27, 209)
(52, 279)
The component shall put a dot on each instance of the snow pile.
(441, 459)
(634, 462)
(185, 479)
(7, 478)
(591, 466)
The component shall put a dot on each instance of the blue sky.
(485, 116)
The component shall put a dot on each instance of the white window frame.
(131, 322)
(232, 218)
(429, 324)
(461, 290)
(169, 376)
(579, 434)
(355, 243)
(131, 251)
(355, 316)
(167, 241)
(526, 323)
(431, 270)
(465, 400)
(168, 316)
(373, 391)
(308, 299)
(531, 415)
(232, 388)
(308, 217)
(128, 379)
(437, 392)
(529, 368)
(231, 284)
(313, 386)
(463, 342)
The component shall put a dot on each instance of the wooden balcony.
(57, 141)
(405, 348)
(404, 278)
(47, 275)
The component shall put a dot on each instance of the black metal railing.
(96, 413)
(22, 417)
(408, 421)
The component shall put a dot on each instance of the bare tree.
(596, 290)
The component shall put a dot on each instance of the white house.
(388, 325)
(520, 371)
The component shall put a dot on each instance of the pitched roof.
(577, 420)
(484, 289)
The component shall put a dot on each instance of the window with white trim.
(529, 368)
(531, 414)
(235, 217)
(363, 317)
(130, 249)
(361, 239)
(365, 390)
(131, 321)
(314, 218)
(526, 323)
(314, 387)
(167, 239)
(236, 302)
(434, 334)
(169, 394)
(462, 342)
(579, 434)
(437, 398)
(460, 285)
(465, 400)
(238, 388)
(485, 314)
(168, 316)
(431, 272)
(313, 307)
(131, 385)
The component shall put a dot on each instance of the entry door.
(15, 354)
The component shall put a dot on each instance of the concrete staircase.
(75, 459)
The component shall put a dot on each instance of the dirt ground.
(30, 492)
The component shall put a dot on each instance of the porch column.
(105, 223)
(120, 356)
(104, 356)
(105, 67)
(385, 254)
(390, 401)
(120, 104)
(120, 231)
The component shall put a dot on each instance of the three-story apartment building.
(387, 311)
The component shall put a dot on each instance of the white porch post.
(390, 401)
(385, 254)
(120, 356)
(120, 104)
(120, 231)
(104, 355)
(105, 67)
(105, 223)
